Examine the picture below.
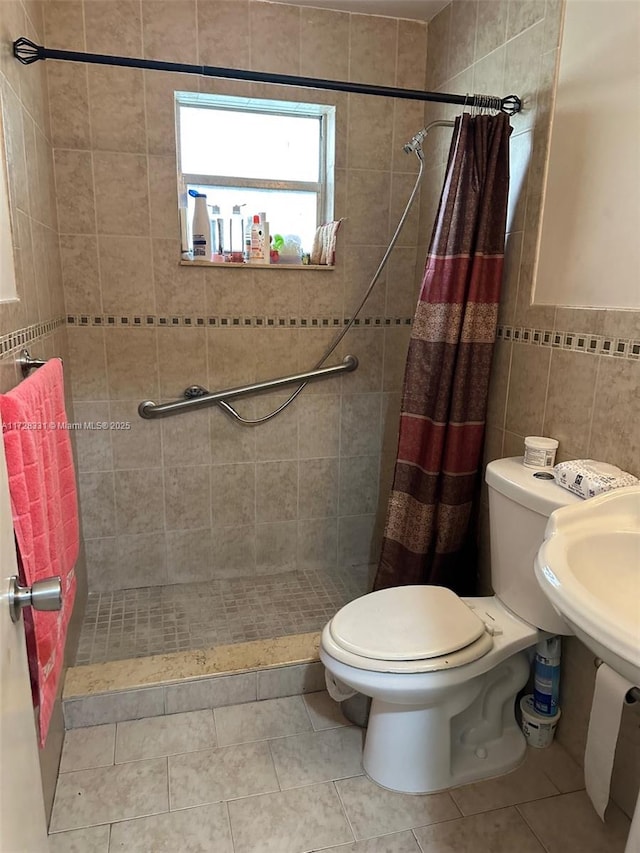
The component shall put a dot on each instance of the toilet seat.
(407, 629)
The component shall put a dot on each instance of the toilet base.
(473, 735)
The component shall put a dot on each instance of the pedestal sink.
(589, 568)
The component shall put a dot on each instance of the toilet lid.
(406, 623)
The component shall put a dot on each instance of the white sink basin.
(589, 569)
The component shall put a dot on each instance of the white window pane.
(289, 213)
(249, 145)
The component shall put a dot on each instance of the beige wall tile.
(358, 485)
(322, 294)
(189, 555)
(232, 357)
(522, 70)
(318, 425)
(275, 547)
(93, 446)
(114, 27)
(122, 196)
(464, 16)
(367, 345)
(187, 497)
(367, 191)
(169, 30)
(616, 414)
(141, 561)
(230, 17)
(275, 38)
(159, 88)
(276, 491)
(370, 132)
(373, 49)
(232, 292)
(163, 197)
(412, 52)
(69, 104)
(402, 289)
(182, 360)
(96, 497)
(126, 275)
(79, 256)
(359, 410)
(178, 290)
(527, 390)
(491, 32)
(64, 24)
(185, 439)
(231, 441)
(234, 552)
(233, 495)
(324, 36)
(87, 363)
(116, 104)
(499, 383)
(138, 447)
(278, 438)
(396, 345)
(570, 400)
(438, 47)
(317, 543)
(139, 501)
(74, 183)
(132, 361)
(361, 264)
(408, 119)
(318, 488)
(522, 15)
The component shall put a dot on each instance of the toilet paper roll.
(338, 690)
(604, 724)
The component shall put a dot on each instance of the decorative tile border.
(626, 348)
(232, 322)
(14, 341)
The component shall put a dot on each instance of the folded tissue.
(586, 477)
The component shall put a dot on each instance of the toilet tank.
(520, 504)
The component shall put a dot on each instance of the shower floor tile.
(154, 620)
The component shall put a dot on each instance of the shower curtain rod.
(27, 51)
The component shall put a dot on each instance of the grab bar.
(148, 409)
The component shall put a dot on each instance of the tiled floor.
(284, 776)
(160, 619)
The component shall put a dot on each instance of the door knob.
(42, 595)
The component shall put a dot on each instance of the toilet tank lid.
(516, 481)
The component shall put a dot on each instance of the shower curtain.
(428, 536)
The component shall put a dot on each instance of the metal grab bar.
(148, 409)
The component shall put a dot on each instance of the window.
(257, 155)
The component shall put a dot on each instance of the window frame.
(325, 113)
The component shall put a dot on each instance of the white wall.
(589, 253)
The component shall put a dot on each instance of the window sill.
(230, 265)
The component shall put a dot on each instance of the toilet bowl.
(443, 672)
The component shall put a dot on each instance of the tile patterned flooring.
(181, 617)
(284, 776)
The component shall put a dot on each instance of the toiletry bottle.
(257, 246)
(546, 676)
(201, 227)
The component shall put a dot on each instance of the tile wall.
(198, 496)
(580, 383)
(36, 317)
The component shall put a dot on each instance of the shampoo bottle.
(546, 677)
(201, 227)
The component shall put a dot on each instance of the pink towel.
(45, 516)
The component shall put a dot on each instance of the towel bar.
(27, 363)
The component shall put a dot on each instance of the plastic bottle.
(201, 227)
(257, 241)
(546, 676)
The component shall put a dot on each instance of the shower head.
(415, 144)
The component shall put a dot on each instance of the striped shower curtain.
(427, 534)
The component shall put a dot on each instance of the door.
(22, 818)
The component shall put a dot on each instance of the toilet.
(442, 671)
